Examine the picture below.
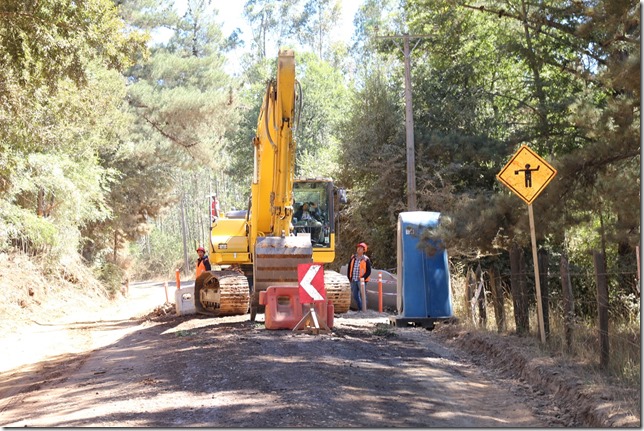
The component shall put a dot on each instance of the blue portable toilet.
(424, 293)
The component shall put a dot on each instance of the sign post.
(527, 174)
(311, 289)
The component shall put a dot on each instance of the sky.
(231, 17)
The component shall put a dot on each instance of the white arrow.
(306, 283)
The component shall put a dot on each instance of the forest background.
(109, 140)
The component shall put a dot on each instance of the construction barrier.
(184, 301)
(283, 309)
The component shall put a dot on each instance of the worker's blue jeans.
(355, 292)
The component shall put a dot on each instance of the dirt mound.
(30, 291)
(583, 395)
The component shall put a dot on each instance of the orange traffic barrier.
(177, 274)
(329, 314)
(380, 291)
(283, 309)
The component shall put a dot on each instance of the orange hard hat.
(363, 245)
(202, 249)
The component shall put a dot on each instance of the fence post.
(470, 286)
(602, 306)
(363, 295)
(497, 299)
(543, 281)
(518, 286)
(481, 297)
(568, 301)
(637, 255)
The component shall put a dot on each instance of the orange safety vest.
(363, 267)
(200, 267)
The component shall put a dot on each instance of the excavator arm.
(274, 149)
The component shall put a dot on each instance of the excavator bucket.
(276, 261)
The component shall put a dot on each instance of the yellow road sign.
(526, 174)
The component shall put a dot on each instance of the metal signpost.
(527, 174)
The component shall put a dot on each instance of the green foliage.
(45, 40)
(157, 254)
(384, 330)
(372, 159)
(325, 99)
(112, 276)
(61, 95)
(103, 143)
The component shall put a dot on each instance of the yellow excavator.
(289, 221)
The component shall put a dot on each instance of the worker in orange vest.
(203, 264)
(359, 270)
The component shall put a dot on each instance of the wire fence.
(585, 312)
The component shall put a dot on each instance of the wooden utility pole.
(409, 115)
(409, 128)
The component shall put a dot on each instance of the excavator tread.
(338, 290)
(222, 293)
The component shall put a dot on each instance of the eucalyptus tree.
(269, 21)
(61, 99)
(314, 25)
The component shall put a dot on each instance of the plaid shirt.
(356, 268)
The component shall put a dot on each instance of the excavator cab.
(315, 206)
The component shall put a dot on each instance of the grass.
(384, 330)
(624, 368)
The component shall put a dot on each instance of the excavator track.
(338, 290)
(222, 293)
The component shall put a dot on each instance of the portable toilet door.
(423, 289)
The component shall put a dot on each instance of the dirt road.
(114, 368)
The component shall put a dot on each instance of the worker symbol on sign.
(528, 174)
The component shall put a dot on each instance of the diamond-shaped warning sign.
(527, 174)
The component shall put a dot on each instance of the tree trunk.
(186, 263)
(40, 204)
(116, 244)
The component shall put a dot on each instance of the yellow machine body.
(267, 244)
